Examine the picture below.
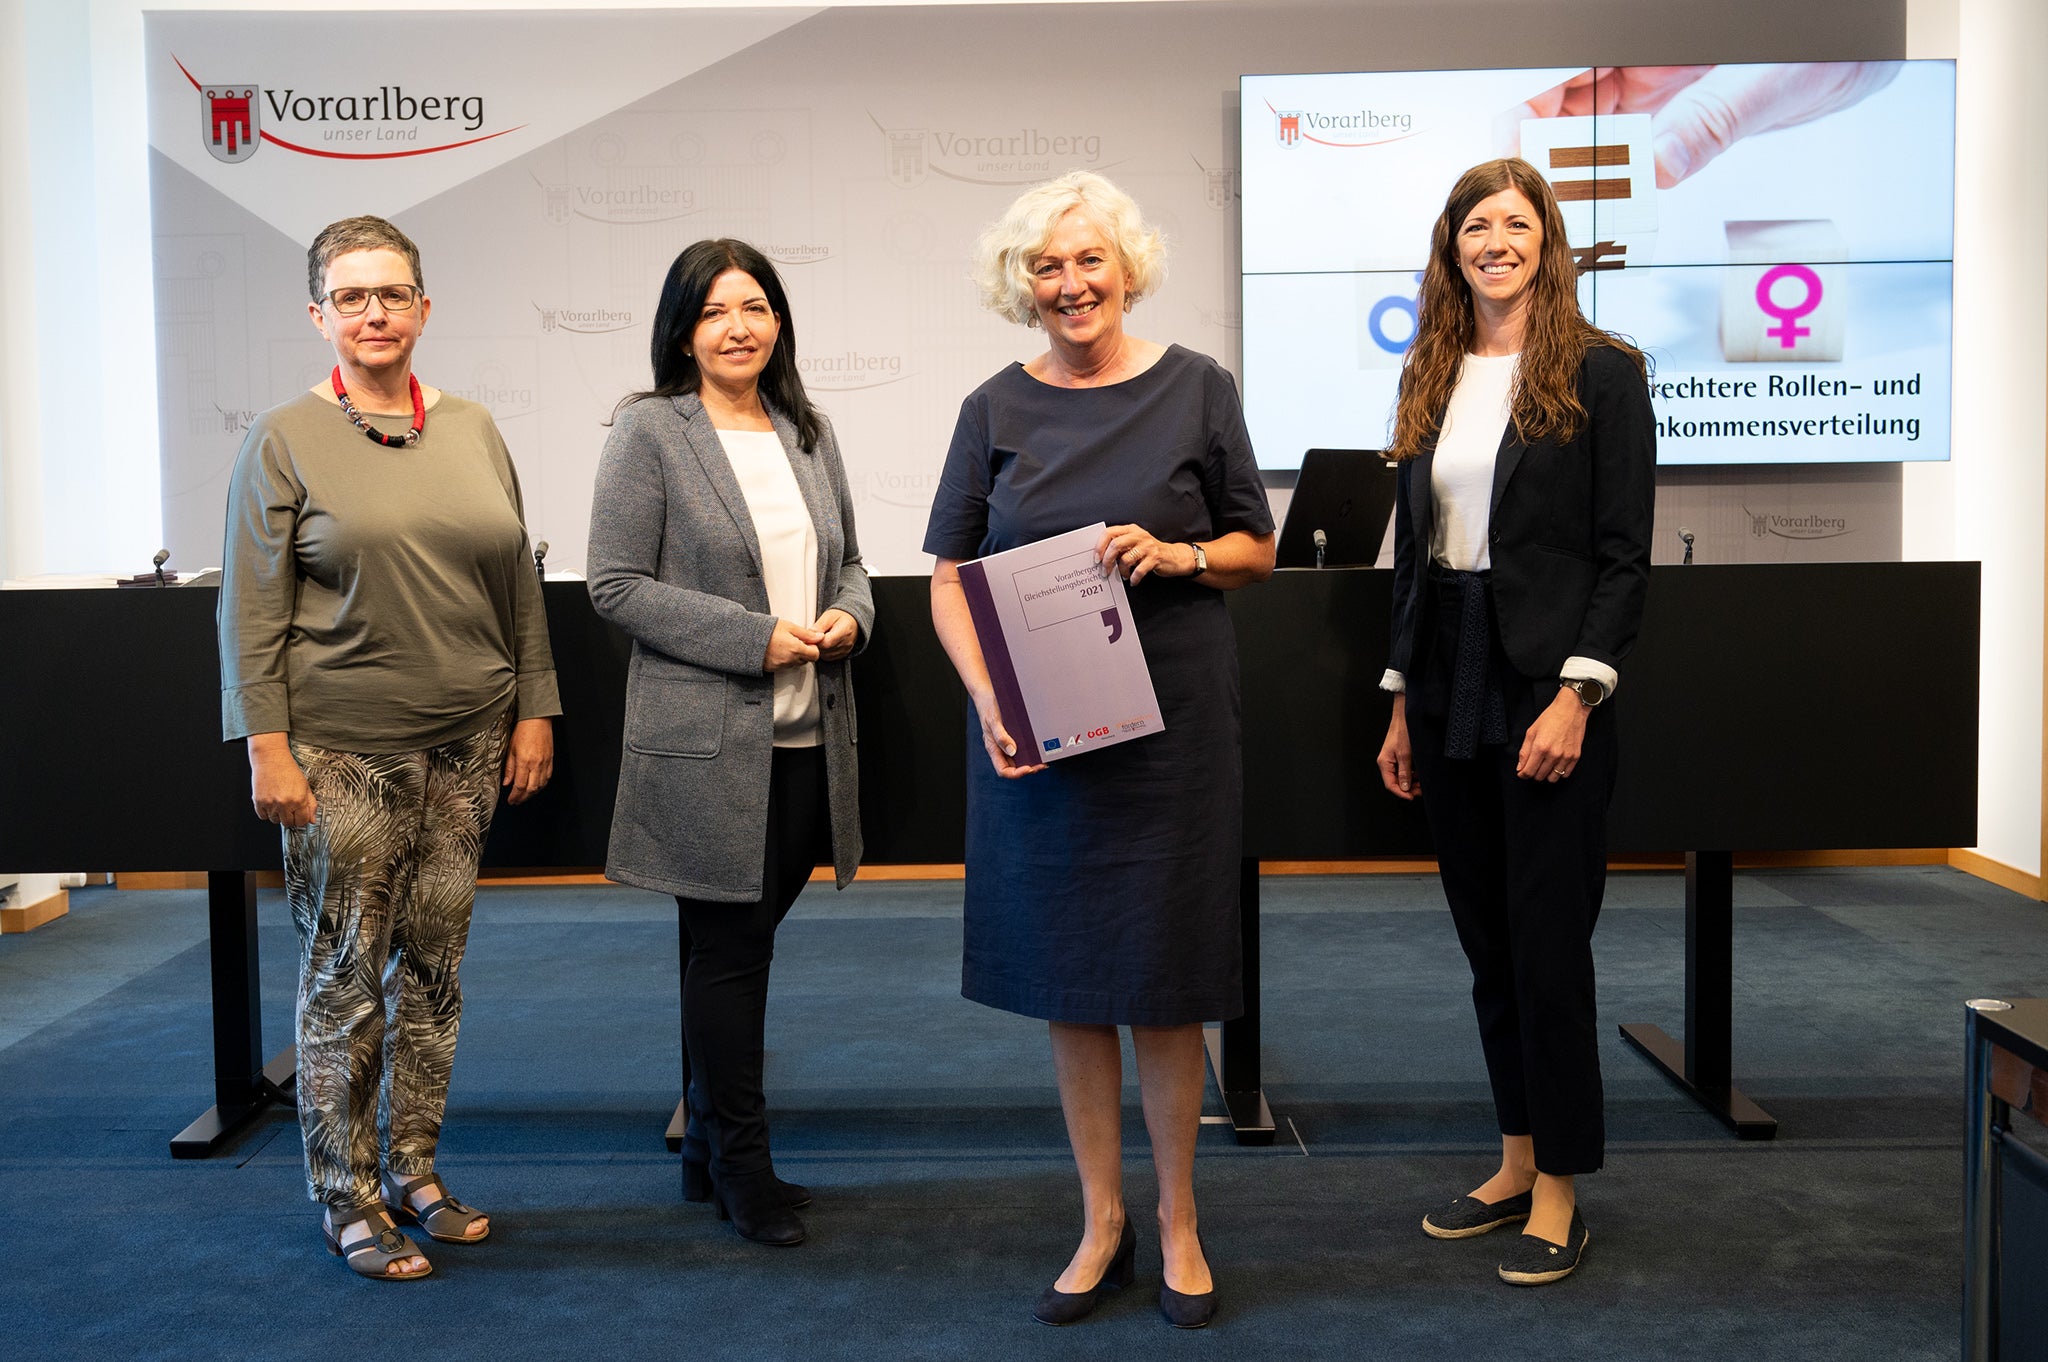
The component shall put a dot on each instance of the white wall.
(2001, 358)
(1989, 501)
(21, 490)
(1928, 491)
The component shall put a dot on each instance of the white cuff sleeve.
(1393, 681)
(1584, 669)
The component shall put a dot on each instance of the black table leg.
(243, 1084)
(1704, 1065)
(1234, 1047)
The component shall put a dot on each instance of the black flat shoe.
(697, 1177)
(1468, 1215)
(755, 1206)
(1533, 1260)
(1065, 1307)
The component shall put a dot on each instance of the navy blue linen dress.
(1104, 888)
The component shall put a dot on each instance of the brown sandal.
(444, 1218)
(374, 1256)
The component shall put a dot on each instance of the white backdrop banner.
(551, 164)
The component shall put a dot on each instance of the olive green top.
(377, 599)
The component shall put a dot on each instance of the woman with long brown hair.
(1522, 557)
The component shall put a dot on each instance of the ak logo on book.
(380, 124)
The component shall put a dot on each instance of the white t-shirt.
(789, 566)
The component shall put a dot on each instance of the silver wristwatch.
(1590, 692)
(1201, 558)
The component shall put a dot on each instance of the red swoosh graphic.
(277, 141)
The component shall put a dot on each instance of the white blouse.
(1461, 474)
(789, 567)
(1461, 485)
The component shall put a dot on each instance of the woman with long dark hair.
(1521, 561)
(721, 541)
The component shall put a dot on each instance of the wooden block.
(29, 916)
(1605, 178)
(1781, 298)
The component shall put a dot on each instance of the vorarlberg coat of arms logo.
(229, 120)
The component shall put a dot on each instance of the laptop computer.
(1348, 494)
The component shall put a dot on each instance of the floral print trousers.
(381, 885)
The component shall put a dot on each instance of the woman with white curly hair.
(1103, 892)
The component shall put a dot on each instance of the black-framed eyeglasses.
(349, 302)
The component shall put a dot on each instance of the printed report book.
(1063, 654)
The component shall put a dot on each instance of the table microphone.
(1686, 535)
(540, 558)
(162, 556)
(1322, 543)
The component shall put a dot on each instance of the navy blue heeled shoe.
(1185, 1311)
(1065, 1307)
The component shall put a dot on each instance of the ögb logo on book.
(232, 117)
(228, 118)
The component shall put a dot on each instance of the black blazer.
(1569, 532)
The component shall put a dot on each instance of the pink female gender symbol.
(1785, 331)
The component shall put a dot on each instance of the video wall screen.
(1779, 238)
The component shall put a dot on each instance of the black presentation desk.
(2005, 1180)
(1766, 708)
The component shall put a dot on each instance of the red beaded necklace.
(419, 414)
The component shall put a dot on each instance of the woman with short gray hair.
(1134, 922)
(384, 653)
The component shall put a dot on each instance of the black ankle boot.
(758, 1209)
(697, 1176)
(696, 1169)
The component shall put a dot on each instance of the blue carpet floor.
(930, 1131)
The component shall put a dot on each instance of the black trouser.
(726, 951)
(1524, 866)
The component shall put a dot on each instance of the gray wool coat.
(675, 563)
